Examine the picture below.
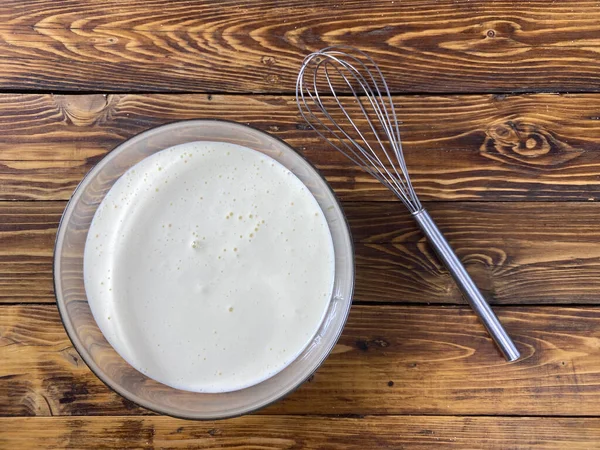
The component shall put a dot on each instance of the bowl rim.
(71, 333)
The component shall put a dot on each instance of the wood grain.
(27, 232)
(511, 179)
(289, 432)
(538, 147)
(257, 46)
(518, 253)
(389, 360)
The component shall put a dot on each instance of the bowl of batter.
(203, 269)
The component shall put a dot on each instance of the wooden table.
(501, 125)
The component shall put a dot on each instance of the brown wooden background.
(501, 124)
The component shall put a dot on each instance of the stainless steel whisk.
(371, 140)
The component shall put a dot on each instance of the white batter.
(209, 267)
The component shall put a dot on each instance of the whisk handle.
(467, 286)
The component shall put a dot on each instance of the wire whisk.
(342, 94)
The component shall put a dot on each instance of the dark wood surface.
(500, 122)
(255, 46)
(390, 360)
(473, 147)
(519, 253)
(307, 432)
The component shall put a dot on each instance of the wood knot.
(526, 144)
(503, 28)
(362, 345)
(85, 110)
(71, 356)
(484, 39)
(268, 60)
(272, 78)
(381, 342)
(365, 344)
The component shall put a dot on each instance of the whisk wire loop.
(374, 102)
(379, 112)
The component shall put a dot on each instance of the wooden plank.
(539, 147)
(285, 432)
(518, 253)
(423, 45)
(389, 360)
(27, 232)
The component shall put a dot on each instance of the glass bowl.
(79, 322)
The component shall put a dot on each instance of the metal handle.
(467, 286)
